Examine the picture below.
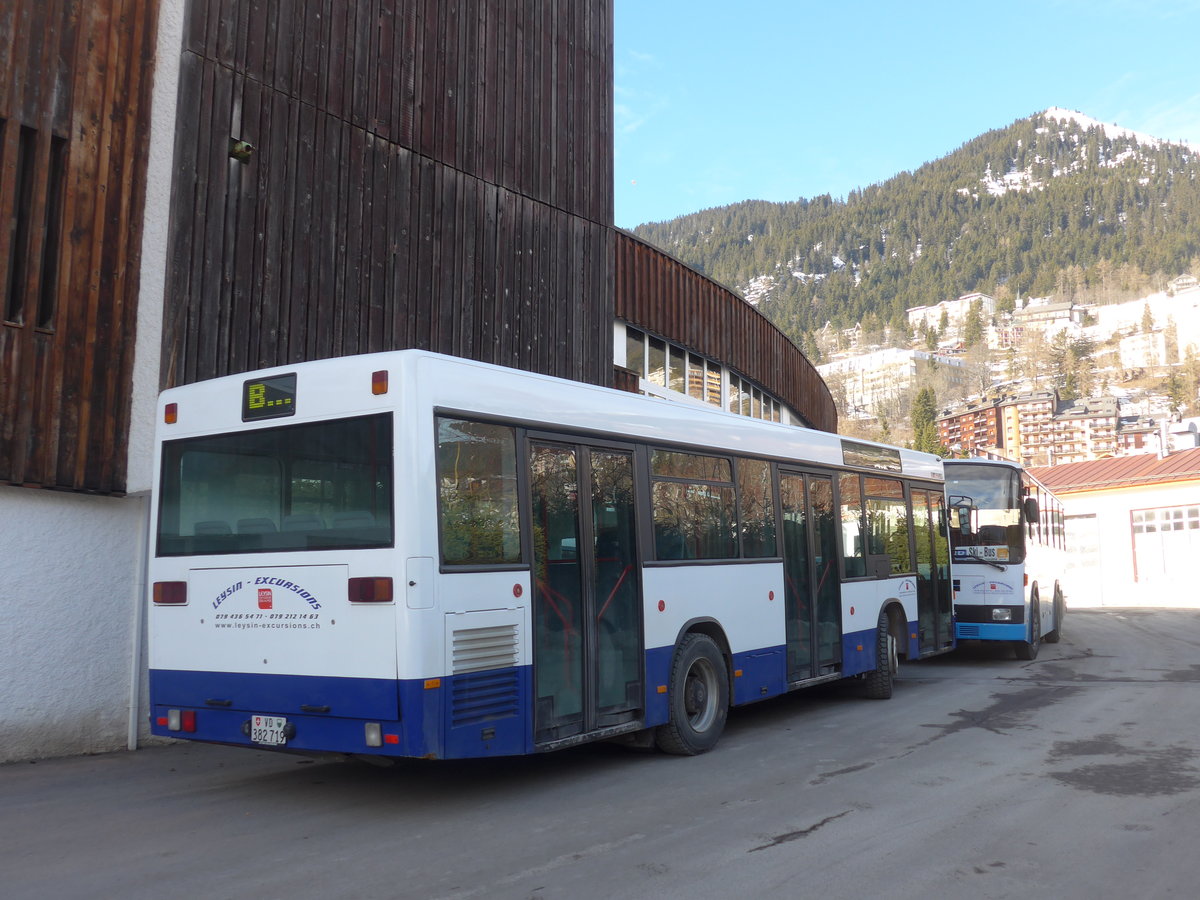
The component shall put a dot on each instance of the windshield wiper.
(992, 563)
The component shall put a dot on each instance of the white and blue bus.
(412, 555)
(1008, 535)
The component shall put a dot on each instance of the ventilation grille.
(968, 631)
(484, 696)
(490, 647)
(486, 682)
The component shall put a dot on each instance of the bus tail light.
(370, 590)
(170, 593)
(180, 720)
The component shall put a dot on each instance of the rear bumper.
(483, 713)
(986, 631)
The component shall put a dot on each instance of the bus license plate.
(268, 730)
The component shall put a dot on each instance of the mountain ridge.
(1055, 203)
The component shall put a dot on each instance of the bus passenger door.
(587, 590)
(812, 594)
(934, 604)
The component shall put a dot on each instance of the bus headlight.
(1001, 615)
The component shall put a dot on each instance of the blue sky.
(717, 102)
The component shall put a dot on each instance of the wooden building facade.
(348, 177)
(412, 173)
(75, 82)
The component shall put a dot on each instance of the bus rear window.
(314, 486)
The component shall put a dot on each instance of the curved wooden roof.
(655, 291)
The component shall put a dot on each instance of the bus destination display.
(269, 398)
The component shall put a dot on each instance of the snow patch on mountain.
(1111, 131)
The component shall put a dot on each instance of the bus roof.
(342, 386)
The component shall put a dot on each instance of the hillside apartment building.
(1034, 428)
(871, 380)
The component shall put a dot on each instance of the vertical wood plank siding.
(424, 174)
(662, 295)
(75, 80)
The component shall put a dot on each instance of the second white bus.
(1008, 535)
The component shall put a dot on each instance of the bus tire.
(698, 699)
(879, 681)
(1028, 650)
(1060, 607)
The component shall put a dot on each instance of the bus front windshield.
(309, 486)
(985, 513)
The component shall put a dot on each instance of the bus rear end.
(271, 618)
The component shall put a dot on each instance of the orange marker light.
(379, 382)
(171, 413)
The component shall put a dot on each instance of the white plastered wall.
(1108, 577)
(70, 576)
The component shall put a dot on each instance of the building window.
(635, 351)
(695, 377)
(656, 366)
(30, 292)
(677, 371)
(663, 364)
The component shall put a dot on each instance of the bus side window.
(852, 526)
(693, 506)
(888, 523)
(478, 516)
(756, 498)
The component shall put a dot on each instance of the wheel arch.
(897, 624)
(711, 627)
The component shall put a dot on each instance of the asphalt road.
(1073, 776)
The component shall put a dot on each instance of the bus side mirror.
(1031, 509)
(964, 518)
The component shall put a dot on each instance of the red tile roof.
(1120, 471)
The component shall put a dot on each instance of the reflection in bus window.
(694, 521)
(757, 507)
(693, 466)
(477, 479)
(694, 514)
(852, 527)
(887, 533)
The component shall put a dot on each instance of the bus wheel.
(698, 698)
(1029, 649)
(879, 681)
(1053, 637)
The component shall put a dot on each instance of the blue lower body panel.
(473, 715)
(479, 714)
(986, 631)
(858, 652)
